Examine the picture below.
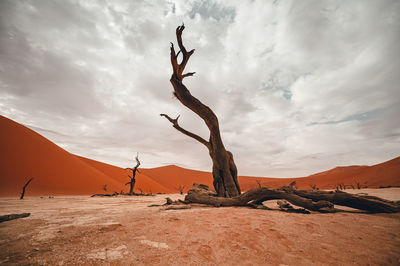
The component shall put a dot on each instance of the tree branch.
(178, 68)
(183, 94)
(175, 124)
(188, 74)
(137, 161)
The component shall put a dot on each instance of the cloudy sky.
(298, 86)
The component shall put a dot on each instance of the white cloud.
(298, 86)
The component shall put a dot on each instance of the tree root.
(319, 201)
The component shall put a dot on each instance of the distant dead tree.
(24, 187)
(313, 187)
(132, 177)
(105, 187)
(293, 185)
(224, 169)
(180, 188)
(340, 186)
(258, 183)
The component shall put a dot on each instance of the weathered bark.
(24, 187)
(132, 178)
(201, 194)
(361, 202)
(224, 169)
(320, 201)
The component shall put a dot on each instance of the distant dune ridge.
(24, 154)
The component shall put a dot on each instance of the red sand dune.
(25, 154)
(379, 175)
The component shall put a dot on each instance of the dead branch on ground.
(10, 217)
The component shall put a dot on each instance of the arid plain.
(79, 230)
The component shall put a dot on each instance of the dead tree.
(258, 183)
(224, 170)
(133, 176)
(105, 187)
(180, 188)
(227, 190)
(24, 187)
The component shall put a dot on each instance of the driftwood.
(319, 201)
(24, 187)
(10, 217)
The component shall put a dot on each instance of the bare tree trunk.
(132, 178)
(224, 169)
(24, 187)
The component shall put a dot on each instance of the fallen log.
(203, 195)
(10, 217)
(361, 202)
(320, 201)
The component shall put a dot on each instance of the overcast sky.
(298, 86)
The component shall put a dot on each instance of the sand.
(79, 230)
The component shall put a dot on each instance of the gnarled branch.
(175, 124)
(321, 201)
(132, 178)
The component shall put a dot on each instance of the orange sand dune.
(379, 175)
(25, 154)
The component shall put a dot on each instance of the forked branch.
(179, 67)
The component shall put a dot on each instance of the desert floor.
(80, 230)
